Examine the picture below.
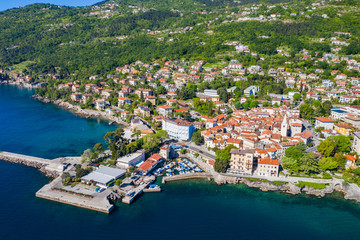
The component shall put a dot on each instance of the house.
(151, 99)
(150, 163)
(143, 110)
(178, 129)
(347, 99)
(324, 122)
(124, 114)
(123, 100)
(144, 92)
(131, 159)
(268, 167)
(343, 128)
(164, 110)
(242, 161)
(350, 161)
(76, 97)
(100, 104)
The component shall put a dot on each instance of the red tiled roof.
(324, 119)
(268, 161)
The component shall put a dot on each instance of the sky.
(7, 4)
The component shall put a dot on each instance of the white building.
(251, 90)
(103, 176)
(178, 129)
(268, 167)
(131, 159)
(356, 143)
(324, 122)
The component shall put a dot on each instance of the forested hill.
(96, 39)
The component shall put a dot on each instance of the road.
(315, 140)
(201, 150)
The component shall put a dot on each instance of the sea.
(189, 210)
(4, 5)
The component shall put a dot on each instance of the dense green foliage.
(223, 158)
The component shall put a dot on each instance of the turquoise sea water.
(195, 209)
(44, 130)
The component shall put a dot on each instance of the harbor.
(98, 196)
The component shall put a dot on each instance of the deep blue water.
(44, 130)
(184, 210)
(4, 4)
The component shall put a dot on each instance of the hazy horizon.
(5, 5)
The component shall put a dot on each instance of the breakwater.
(185, 176)
(35, 162)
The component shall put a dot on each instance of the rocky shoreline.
(351, 191)
(82, 112)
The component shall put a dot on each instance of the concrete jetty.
(128, 199)
(185, 176)
(97, 202)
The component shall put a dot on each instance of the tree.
(308, 163)
(222, 159)
(301, 146)
(98, 147)
(341, 142)
(297, 96)
(294, 153)
(328, 163)
(197, 138)
(254, 104)
(118, 182)
(80, 172)
(326, 148)
(290, 163)
(86, 155)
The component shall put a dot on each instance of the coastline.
(82, 112)
(86, 113)
(351, 192)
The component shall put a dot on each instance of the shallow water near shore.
(191, 209)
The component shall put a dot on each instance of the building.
(131, 159)
(103, 176)
(343, 128)
(100, 104)
(150, 164)
(76, 97)
(338, 114)
(356, 143)
(164, 110)
(242, 160)
(165, 151)
(353, 120)
(284, 127)
(252, 90)
(178, 129)
(268, 167)
(143, 110)
(324, 122)
(208, 94)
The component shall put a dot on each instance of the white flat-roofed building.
(102, 176)
(178, 129)
(131, 159)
